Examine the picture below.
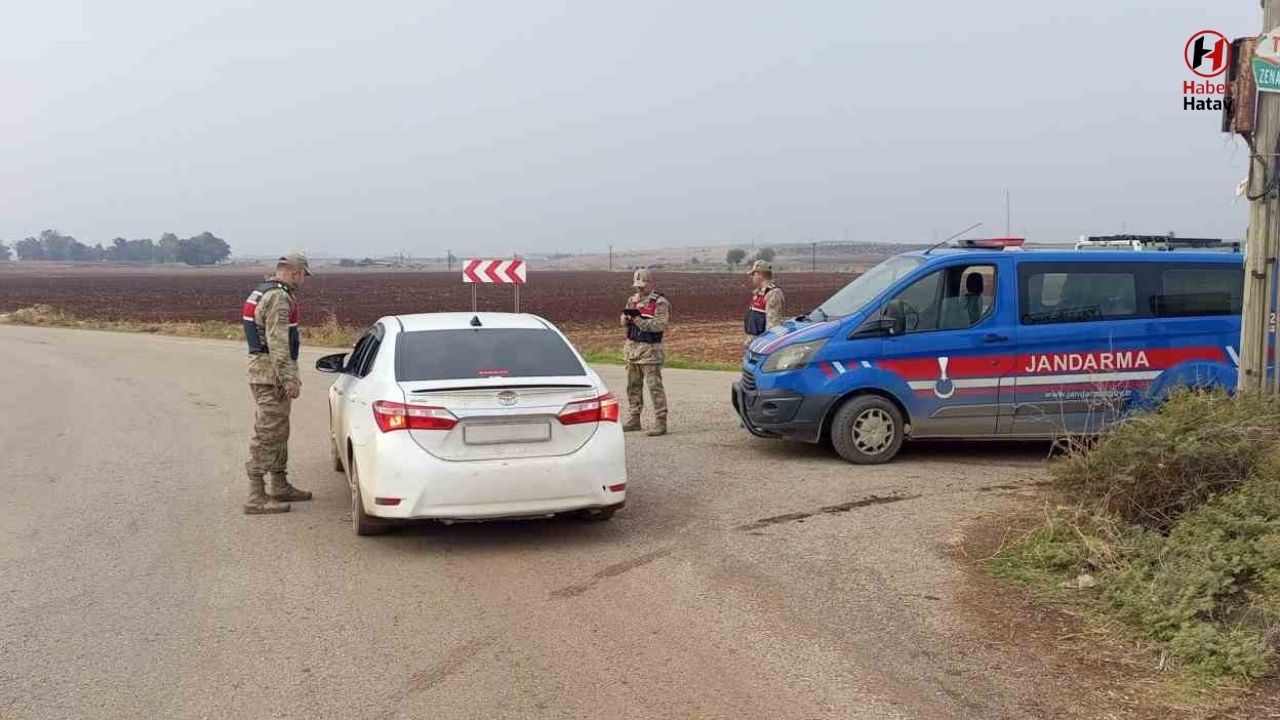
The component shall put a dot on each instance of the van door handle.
(995, 338)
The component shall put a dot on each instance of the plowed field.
(707, 308)
(359, 298)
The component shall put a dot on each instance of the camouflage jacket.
(275, 315)
(644, 333)
(765, 310)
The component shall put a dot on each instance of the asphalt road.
(745, 579)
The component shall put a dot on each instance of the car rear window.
(463, 354)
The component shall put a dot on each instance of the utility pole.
(1261, 242)
(610, 258)
(815, 255)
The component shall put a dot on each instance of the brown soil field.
(359, 298)
(706, 307)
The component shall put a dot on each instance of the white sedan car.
(472, 416)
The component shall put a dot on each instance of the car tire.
(336, 456)
(361, 522)
(867, 430)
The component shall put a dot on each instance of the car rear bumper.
(594, 476)
(781, 413)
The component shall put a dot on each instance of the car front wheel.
(867, 430)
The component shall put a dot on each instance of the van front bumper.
(781, 413)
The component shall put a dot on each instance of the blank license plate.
(496, 434)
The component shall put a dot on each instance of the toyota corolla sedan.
(472, 416)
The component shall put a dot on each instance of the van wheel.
(362, 523)
(867, 430)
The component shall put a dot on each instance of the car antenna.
(935, 246)
(475, 321)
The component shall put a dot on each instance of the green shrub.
(1176, 515)
(1210, 587)
(1155, 466)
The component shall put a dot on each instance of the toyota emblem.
(508, 398)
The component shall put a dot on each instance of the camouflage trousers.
(269, 448)
(637, 376)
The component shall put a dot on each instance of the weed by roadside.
(1171, 524)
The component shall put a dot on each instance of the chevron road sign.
(505, 272)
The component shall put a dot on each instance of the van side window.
(1068, 294)
(1190, 291)
(953, 298)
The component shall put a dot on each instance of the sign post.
(1262, 246)
(495, 272)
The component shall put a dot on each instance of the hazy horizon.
(569, 126)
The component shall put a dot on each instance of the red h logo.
(1207, 53)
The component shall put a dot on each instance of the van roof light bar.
(1154, 242)
(1004, 243)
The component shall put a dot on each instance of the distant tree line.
(735, 256)
(203, 249)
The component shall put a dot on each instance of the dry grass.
(1155, 466)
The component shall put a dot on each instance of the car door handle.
(995, 338)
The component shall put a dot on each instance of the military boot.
(282, 491)
(659, 428)
(259, 503)
(633, 424)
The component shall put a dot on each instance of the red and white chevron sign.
(509, 272)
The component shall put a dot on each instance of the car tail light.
(398, 416)
(601, 409)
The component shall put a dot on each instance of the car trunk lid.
(502, 418)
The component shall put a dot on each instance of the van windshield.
(865, 287)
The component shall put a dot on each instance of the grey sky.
(538, 125)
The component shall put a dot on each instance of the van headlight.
(792, 356)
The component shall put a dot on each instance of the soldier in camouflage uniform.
(645, 319)
(270, 321)
(766, 307)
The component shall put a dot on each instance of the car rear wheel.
(867, 430)
(361, 522)
(336, 457)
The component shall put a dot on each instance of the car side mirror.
(877, 326)
(332, 363)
